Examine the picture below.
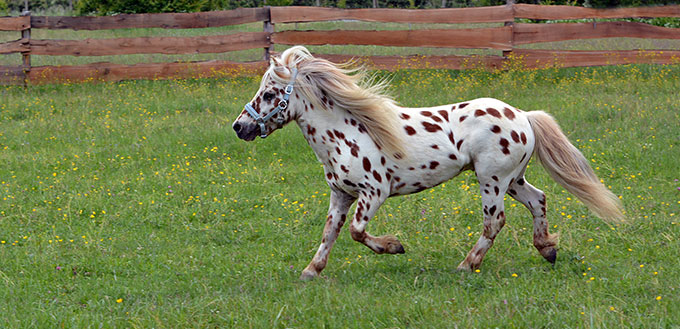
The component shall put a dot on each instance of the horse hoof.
(464, 267)
(392, 245)
(550, 254)
(308, 275)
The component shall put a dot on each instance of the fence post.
(511, 4)
(268, 28)
(26, 56)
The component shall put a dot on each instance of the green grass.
(133, 204)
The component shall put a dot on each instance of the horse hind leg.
(494, 219)
(534, 200)
(367, 205)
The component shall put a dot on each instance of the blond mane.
(350, 89)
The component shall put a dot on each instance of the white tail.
(567, 166)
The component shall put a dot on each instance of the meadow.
(133, 204)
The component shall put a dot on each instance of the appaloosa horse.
(371, 149)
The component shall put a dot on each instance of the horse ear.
(275, 61)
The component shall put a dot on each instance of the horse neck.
(314, 124)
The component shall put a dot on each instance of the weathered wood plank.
(164, 20)
(578, 58)
(15, 23)
(533, 33)
(493, 38)
(16, 46)
(152, 45)
(572, 12)
(446, 15)
(118, 72)
(11, 75)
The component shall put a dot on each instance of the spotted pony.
(372, 149)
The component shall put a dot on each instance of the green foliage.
(3, 6)
(110, 7)
(670, 22)
(18, 6)
(134, 205)
(279, 2)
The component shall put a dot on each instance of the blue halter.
(283, 104)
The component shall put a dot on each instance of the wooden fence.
(504, 38)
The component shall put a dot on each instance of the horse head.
(276, 102)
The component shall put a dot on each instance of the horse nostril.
(237, 127)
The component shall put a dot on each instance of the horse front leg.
(337, 213)
(368, 204)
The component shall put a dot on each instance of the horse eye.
(268, 96)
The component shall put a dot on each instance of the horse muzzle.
(246, 132)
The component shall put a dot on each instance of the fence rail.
(165, 20)
(497, 14)
(505, 38)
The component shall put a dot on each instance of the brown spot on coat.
(460, 142)
(515, 136)
(367, 164)
(311, 131)
(339, 134)
(434, 165)
(504, 143)
(377, 176)
(463, 105)
(426, 113)
(404, 116)
(496, 129)
(494, 112)
(355, 150)
(508, 113)
(410, 130)
(523, 137)
(444, 114)
(453, 156)
(431, 127)
(479, 113)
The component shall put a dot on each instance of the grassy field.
(133, 204)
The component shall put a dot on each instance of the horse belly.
(431, 173)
